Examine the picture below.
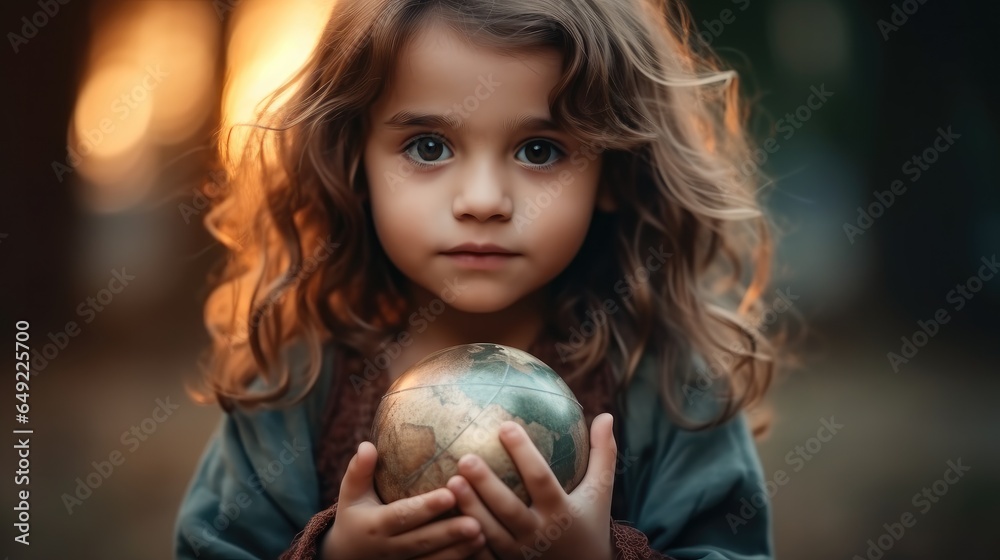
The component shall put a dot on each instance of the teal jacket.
(695, 495)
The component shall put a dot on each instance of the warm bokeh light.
(148, 84)
(187, 35)
(113, 111)
(270, 40)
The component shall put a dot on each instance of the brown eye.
(539, 152)
(427, 149)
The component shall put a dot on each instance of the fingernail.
(468, 461)
(508, 428)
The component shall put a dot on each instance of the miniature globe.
(452, 403)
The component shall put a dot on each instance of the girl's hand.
(366, 528)
(557, 525)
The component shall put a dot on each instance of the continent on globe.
(452, 403)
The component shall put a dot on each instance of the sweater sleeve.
(632, 544)
(255, 486)
(687, 491)
(308, 545)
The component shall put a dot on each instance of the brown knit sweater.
(348, 422)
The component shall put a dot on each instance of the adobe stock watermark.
(559, 523)
(293, 277)
(923, 500)
(484, 90)
(958, 297)
(797, 458)
(456, 116)
(122, 107)
(899, 16)
(42, 355)
(240, 242)
(38, 20)
(103, 470)
(712, 370)
(913, 168)
(788, 125)
(712, 28)
(419, 320)
(204, 533)
(202, 197)
(783, 301)
(624, 287)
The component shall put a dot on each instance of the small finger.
(409, 513)
(437, 536)
(539, 480)
(470, 504)
(460, 551)
(505, 506)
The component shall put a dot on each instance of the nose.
(483, 195)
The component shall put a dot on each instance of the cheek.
(405, 210)
(399, 211)
(398, 228)
(383, 192)
(565, 225)
(561, 228)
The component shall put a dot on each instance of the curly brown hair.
(305, 265)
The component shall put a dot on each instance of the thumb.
(600, 475)
(358, 483)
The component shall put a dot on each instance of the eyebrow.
(405, 119)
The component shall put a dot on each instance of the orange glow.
(270, 41)
(148, 83)
(185, 35)
(113, 111)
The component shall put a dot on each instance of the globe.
(452, 403)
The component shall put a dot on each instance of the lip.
(480, 249)
(480, 256)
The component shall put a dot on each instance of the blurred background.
(881, 127)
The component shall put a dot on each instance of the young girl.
(560, 176)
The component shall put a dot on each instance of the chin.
(474, 301)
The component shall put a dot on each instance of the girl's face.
(460, 152)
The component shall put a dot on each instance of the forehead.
(440, 71)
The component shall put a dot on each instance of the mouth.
(478, 249)
(480, 256)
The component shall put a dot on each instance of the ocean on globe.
(452, 403)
